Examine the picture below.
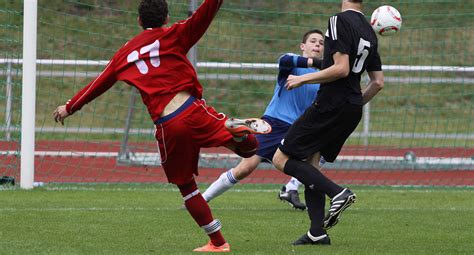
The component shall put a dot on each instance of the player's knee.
(245, 154)
(248, 147)
(242, 172)
(279, 160)
(187, 188)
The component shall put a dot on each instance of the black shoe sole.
(292, 205)
(325, 241)
(327, 223)
(317, 243)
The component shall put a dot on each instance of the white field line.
(151, 155)
(396, 189)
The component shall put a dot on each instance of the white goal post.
(28, 107)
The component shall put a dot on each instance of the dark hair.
(153, 13)
(355, 1)
(307, 34)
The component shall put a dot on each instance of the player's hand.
(60, 114)
(293, 82)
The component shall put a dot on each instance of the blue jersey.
(288, 105)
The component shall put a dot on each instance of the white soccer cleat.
(242, 127)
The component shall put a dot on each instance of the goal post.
(28, 94)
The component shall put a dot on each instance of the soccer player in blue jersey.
(284, 108)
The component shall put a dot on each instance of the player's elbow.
(379, 84)
(341, 71)
(376, 80)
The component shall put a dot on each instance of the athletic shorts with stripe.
(268, 143)
(180, 138)
(324, 132)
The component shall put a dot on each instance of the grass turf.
(140, 219)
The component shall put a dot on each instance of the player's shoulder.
(351, 16)
(288, 54)
(355, 20)
(342, 15)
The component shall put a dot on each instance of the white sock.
(293, 184)
(315, 238)
(219, 186)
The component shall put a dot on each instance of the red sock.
(201, 213)
(248, 147)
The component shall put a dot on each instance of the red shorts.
(181, 137)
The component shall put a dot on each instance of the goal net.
(418, 131)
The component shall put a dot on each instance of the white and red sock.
(201, 213)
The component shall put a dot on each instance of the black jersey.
(348, 33)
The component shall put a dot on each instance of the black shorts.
(323, 132)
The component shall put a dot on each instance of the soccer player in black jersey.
(350, 49)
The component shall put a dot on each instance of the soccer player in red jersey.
(155, 63)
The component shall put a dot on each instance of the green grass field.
(147, 219)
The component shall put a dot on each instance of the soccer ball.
(386, 20)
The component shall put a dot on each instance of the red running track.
(98, 169)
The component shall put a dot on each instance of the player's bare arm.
(339, 70)
(375, 85)
(60, 114)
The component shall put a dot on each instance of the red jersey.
(155, 63)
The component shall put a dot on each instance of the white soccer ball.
(386, 20)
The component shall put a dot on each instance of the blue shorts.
(268, 143)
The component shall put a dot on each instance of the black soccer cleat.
(305, 240)
(292, 197)
(339, 203)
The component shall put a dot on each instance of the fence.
(11, 63)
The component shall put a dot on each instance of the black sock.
(315, 201)
(311, 177)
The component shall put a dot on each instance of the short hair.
(307, 34)
(355, 1)
(153, 13)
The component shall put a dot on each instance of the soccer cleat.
(305, 240)
(292, 197)
(209, 247)
(242, 127)
(338, 204)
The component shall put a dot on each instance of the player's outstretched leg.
(225, 181)
(339, 203)
(242, 127)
